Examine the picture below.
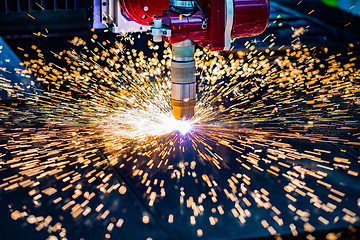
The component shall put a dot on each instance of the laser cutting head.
(210, 23)
(183, 81)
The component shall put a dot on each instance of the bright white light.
(140, 124)
(183, 126)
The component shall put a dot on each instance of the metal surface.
(183, 109)
(185, 4)
(183, 51)
(229, 22)
(251, 17)
(142, 11)
(128, 16)
(113, 18)
(158, 31)
(210, 25)
(182, 92)
(182, 6)
(215, 24)
(185, 27)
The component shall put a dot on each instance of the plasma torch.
(209, 23)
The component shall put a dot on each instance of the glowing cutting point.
(183, 126)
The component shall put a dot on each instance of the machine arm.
(210, 23)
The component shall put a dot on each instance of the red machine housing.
(250, 18)
(141, 11)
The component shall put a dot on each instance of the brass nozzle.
(183, 109)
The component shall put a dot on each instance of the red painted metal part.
(250, 19)
(141, 11)
(183, 28)
(217, 25)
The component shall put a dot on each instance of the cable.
(204, 24)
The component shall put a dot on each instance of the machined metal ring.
(182, 7)
(183, 92)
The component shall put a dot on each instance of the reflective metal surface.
(183, 89)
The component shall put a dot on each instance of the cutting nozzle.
(183, 88)
(183, 109)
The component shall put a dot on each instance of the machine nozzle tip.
(183, 109)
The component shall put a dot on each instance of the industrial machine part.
(210, 23)
(183, 89)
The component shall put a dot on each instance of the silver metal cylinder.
(182, 6)
(157, 30)
(183, 81)
(183, 51)
(182, 92)
(182, 72)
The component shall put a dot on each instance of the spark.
(263, 118)
(183, 126)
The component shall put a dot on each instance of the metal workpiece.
(183, 81)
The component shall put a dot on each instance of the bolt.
(204, 25)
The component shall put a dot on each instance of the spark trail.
(270, 148)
